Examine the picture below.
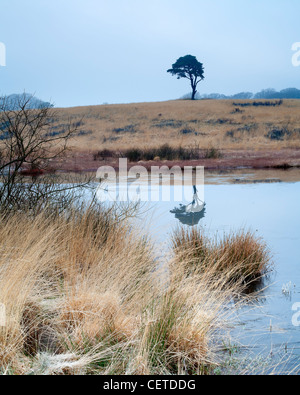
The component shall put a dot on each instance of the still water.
(272, 210)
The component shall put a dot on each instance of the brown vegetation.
(84, 294)
(240, 133)
(240, 257)
(204, 123)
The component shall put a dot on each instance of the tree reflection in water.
(192, 213)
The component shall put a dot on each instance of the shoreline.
(285, 159)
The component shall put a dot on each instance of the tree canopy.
(188, 67)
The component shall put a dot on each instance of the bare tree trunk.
(194, 88)
(194, 94)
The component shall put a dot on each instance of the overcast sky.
(82, 52)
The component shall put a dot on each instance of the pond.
(271, 209)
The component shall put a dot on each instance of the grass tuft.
(240, 257)
(83, 295)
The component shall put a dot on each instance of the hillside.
(266, 94)
(237, 133)
(11, 102)
(221, 124)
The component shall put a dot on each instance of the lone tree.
(189, 67)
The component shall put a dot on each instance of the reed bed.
(164, 152)
(241, 257)
(83, 294)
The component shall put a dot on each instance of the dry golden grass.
(240, 257)
(207, 123)
(83, 294)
